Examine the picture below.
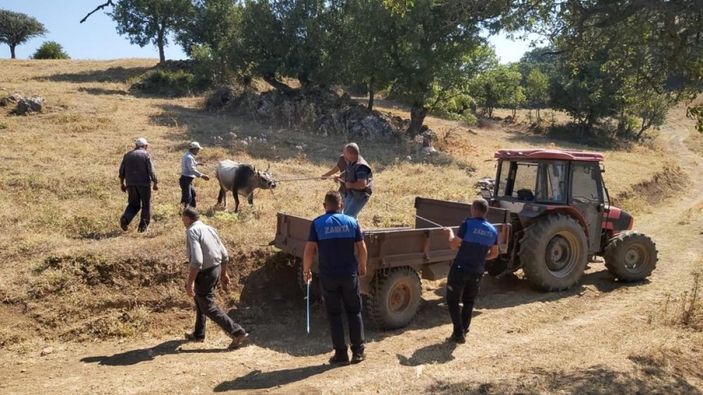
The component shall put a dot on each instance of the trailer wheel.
(554, 252)
(395, 299)
(630, 256)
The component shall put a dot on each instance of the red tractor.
(561, 216)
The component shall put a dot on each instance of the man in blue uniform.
(477, 241)
(339, 243)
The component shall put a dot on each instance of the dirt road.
(601, 337)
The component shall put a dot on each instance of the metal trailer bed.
(398, 257)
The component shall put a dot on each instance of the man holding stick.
(339, 243)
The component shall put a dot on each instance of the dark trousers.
(138, 198)
(342, 294)
(461, 287)
(205, 305)
(187, 190)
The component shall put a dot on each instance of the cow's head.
(264, 179)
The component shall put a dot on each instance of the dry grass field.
(110, 303)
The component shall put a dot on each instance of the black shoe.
(142, 229)
(358, 357)
(339, 359)
(238, 340)
(459, 339)
(123, 223)
(190, 336)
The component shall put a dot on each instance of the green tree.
(366, 29)
(660, 43)
(585, 91)
(151, 21)
(498, 87)
(537, 90)
(209, 36)
(286, 38)
(17, 28)
(50, 50)
(432, 39)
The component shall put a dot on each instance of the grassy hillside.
(69, 272)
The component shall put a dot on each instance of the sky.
(97, 38)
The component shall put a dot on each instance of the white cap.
(141, 142)
(194, 145)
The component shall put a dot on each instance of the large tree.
(209, 36)
(290, 38)
(16, 28)
(365, 29)
(537, 90)
(151, 21)
(652, 45)
(498, 87)
(432, 40)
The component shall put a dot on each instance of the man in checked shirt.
(207, 258)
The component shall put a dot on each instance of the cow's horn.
(269, 167)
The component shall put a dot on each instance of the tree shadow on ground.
(647, 377)
(102, 91)
(272, 299)
(568, 136)
(433, 354)
(272, 143)
(112, 74)
(261, 380)
(137, 356)
(510, 290)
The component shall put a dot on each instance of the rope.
(431, 222)
(300, 179)
(388, 207)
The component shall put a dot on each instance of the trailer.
(399, 257)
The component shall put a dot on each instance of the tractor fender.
(531, 212)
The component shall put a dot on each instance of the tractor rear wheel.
(630, 256)
(554, 252)
(395, 298)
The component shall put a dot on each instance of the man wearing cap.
(136, 177)
(189, 172)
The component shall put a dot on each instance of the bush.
(50, 50)
(169, 83)
(470, 118)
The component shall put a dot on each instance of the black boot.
(340, 358)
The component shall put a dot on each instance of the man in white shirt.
(207, 258)
(189, 172)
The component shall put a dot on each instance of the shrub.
(169, 83)
(470, 118)
(50, 50)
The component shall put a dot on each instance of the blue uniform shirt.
(336, 235)
(477, 236)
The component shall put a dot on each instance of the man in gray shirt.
(136, 176)
(207, 258)
(189, 172)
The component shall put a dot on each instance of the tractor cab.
(560, 216)
(534, 182)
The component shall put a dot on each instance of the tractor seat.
(526, 195)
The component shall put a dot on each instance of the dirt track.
(596, 338)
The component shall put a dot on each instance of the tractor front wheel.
(554, 252)
(630, 256)
(395, 298)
